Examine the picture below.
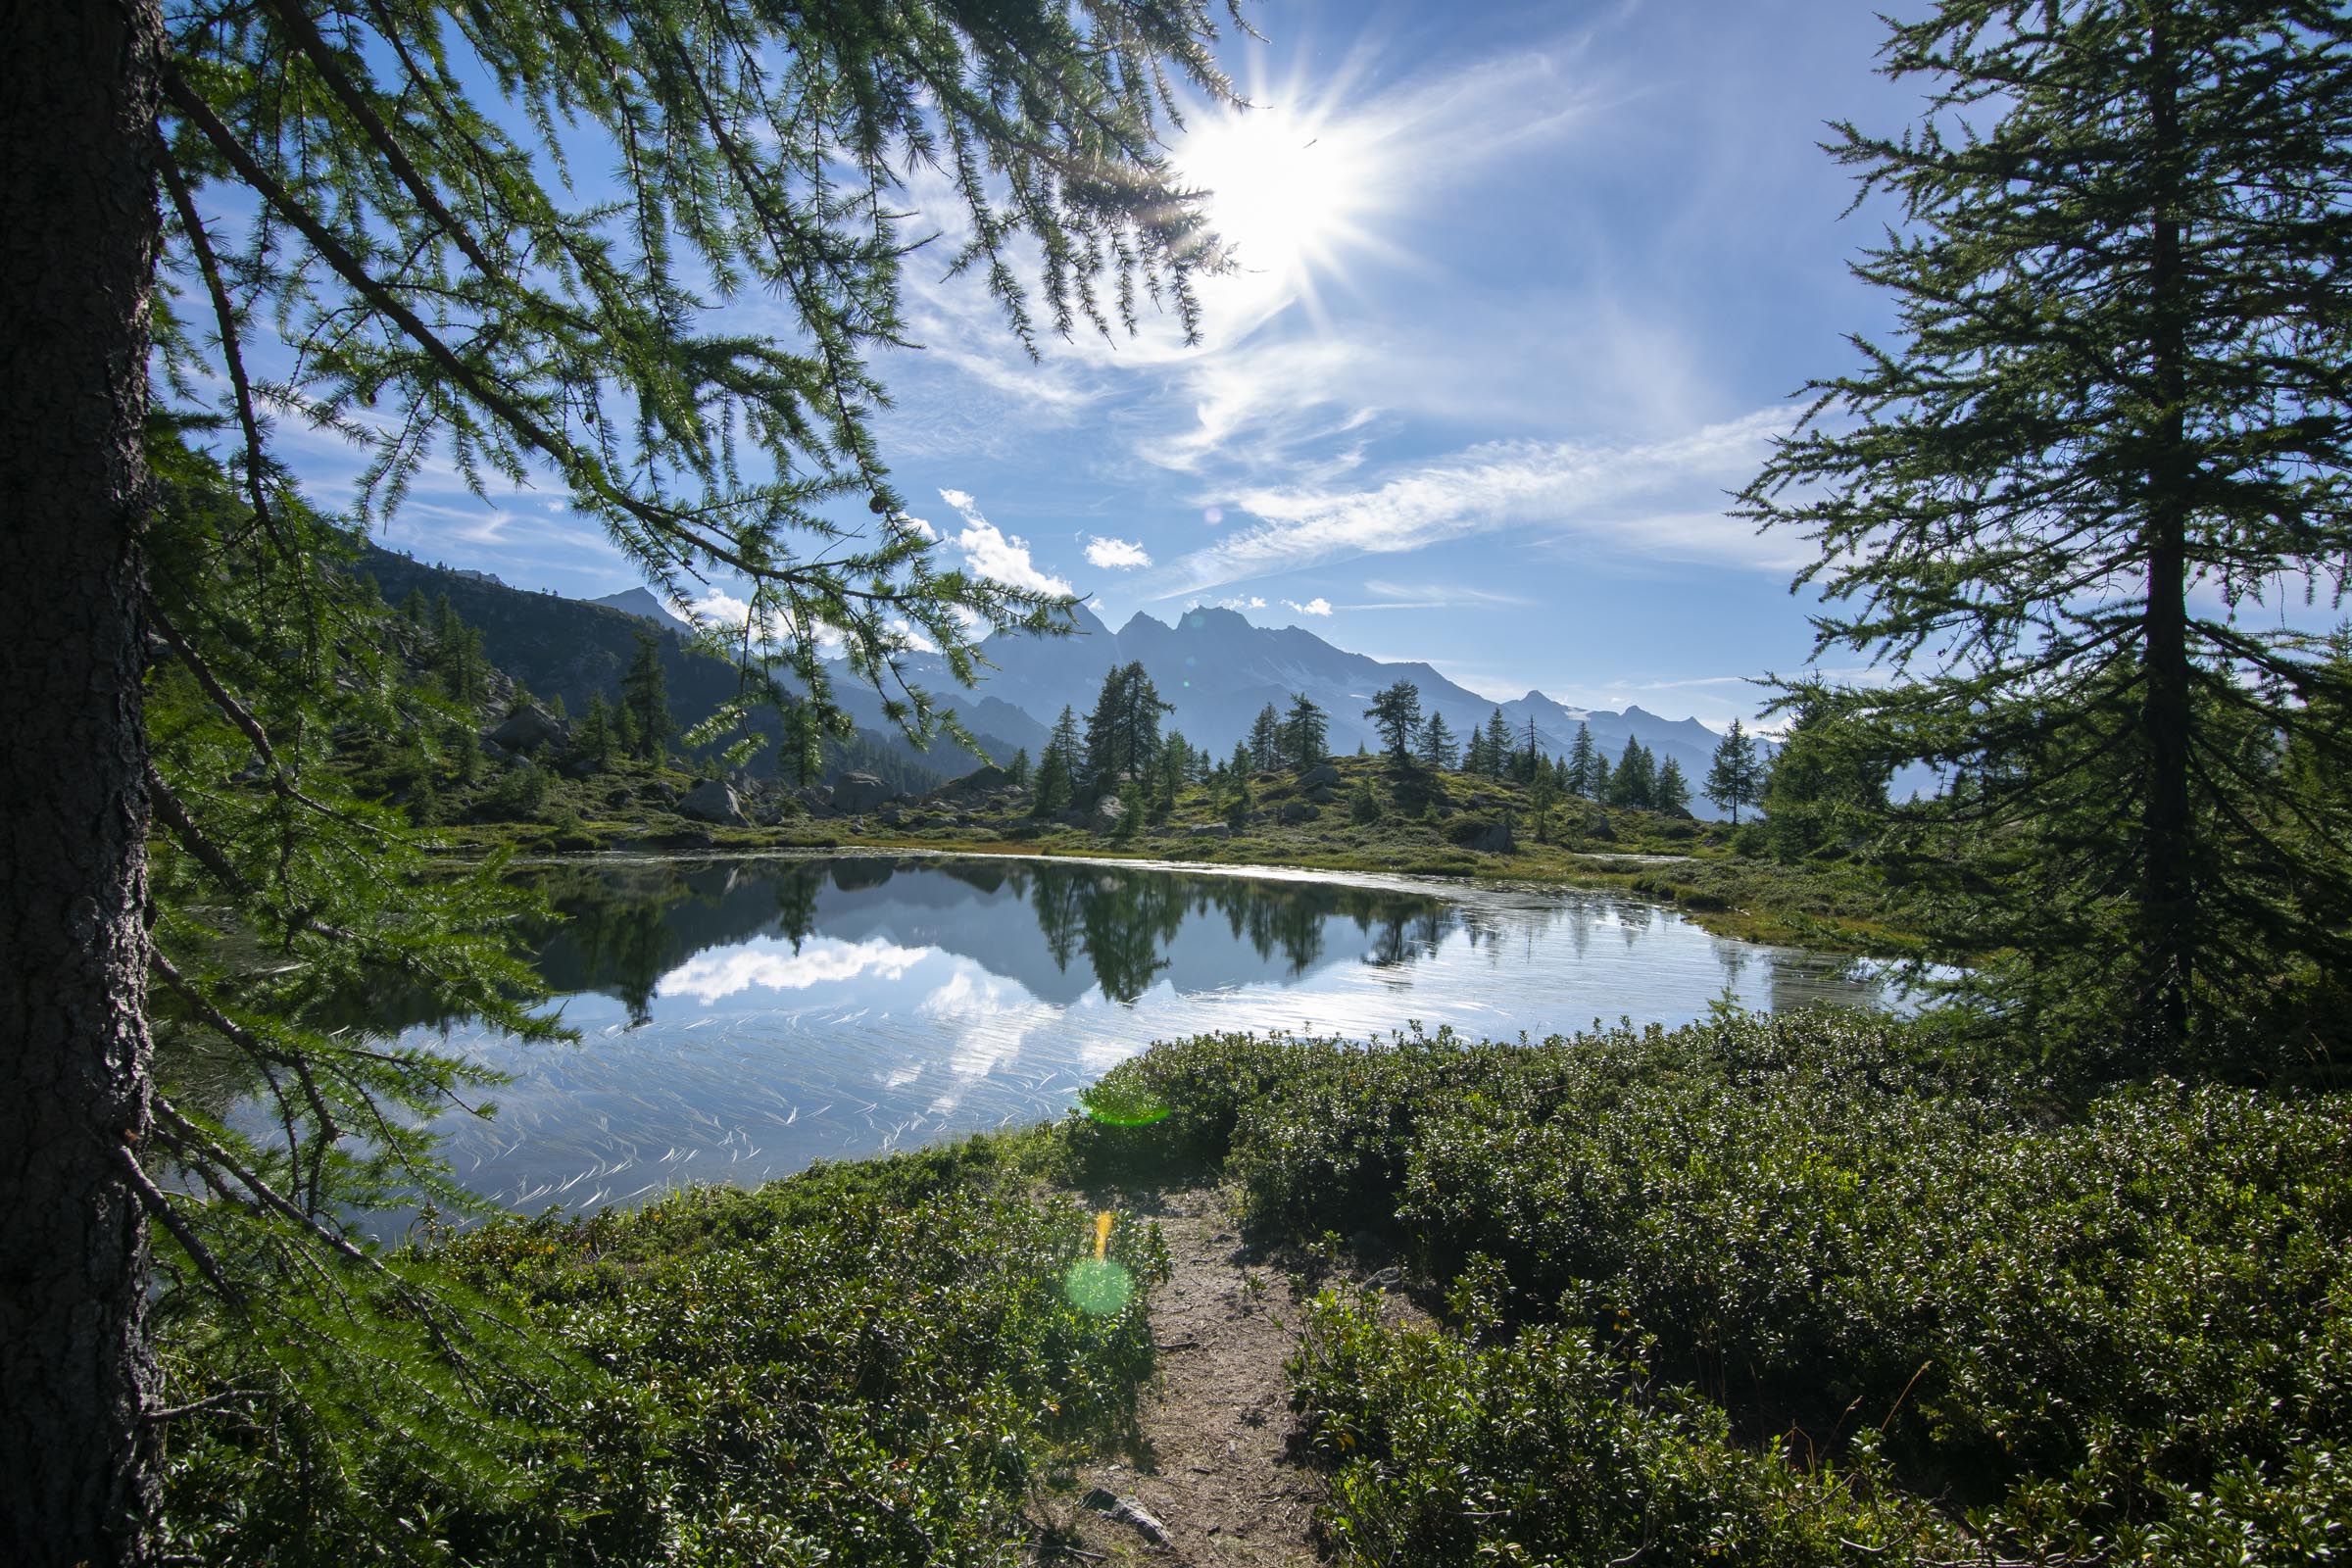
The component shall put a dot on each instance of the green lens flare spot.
(1117, 1104)
(1097, 1287)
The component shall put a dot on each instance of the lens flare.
(1118, 1103)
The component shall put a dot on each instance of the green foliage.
(417, 233)
(1396, 712)
(865, 1363)
(1588, 774)
(1364, 804)
(1671, 794)
(1305, 733)
(1122, 733)
(2113, 414)
(1435, 747)
(645, 696)
(1928, 1279)
(1828, 786)
(1057, 774)
(1736, 774)
(1265, 739)
(1635, 782)
(1557, 1447)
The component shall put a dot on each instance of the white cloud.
(1317, 605)
(995, 555)
(772, 963)
(1116, 555)
(1577, 491)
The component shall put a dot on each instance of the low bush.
(866, 1363)
(2113, 1328)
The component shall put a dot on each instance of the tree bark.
(79, 233)
(2167, 891)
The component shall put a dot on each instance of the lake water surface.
(741, 1018)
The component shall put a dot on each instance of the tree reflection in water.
(625, 925)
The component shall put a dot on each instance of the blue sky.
(1525, 290)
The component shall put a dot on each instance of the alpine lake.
(741, 1018)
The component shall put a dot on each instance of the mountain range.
(1216, 668)
(1219, 671)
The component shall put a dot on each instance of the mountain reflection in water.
(742, 1018)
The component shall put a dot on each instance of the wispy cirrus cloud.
(1629, 500)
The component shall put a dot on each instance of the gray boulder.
(861, 791)
(1209, 830)
(814, 797)
(1494, 839)
(1320, 776)
(1322, 794)
(1297, 812)
(531, 729)
(711, 801)
(1107, 814)
(979, 781)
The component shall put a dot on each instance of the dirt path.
(1213, 1472)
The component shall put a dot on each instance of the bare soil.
(1214, 1467)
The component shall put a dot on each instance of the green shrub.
(2129, 1322)
(862, 1364)
(1555, 1446)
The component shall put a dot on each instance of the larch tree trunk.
(2167, 891)
(79, 233)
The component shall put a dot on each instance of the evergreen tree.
(1543, 794)
(1266, 740)
(1635, 781)
(645, 693)
(1061, 769)
(1736, 777)
(1588, 773)
(398, 179)
(1122, 733)
(1497, 744)
(1436, 745)
(592, 742)
(1305, 733)
(1827, 784)
(1672, 791)
(413, 608)
(2118, 372)
(1396, 714)
(1017, 769)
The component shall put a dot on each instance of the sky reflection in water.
(742, 1018)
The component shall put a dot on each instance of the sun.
(1287, 194)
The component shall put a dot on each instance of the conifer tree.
(2119, 376)
(1587, 772)
(1396, 713)
(1305, 733)
(1436, 747)
(1671, 794)
(396, 184)
(593, 743)
(1497, 745)
(1736, 777)
(1122, 733)
(1265, 739)
(1636, 780)
(1061, 769)
(645, 693)
(1827, 783)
